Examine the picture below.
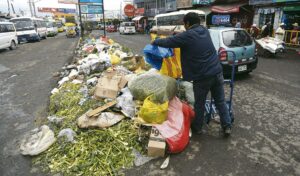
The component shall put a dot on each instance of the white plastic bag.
(37, 141)
(126, 103)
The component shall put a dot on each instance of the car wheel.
(45, 36)
(12, 45)
(39, 38)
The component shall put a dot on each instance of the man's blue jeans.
(215, 84)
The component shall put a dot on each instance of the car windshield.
(23, 24)
(236, 38)
(49, 24)
(128, 24)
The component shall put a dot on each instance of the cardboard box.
(157, 144)
(109, 85)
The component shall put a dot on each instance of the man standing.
(279, 34)
(201, 65)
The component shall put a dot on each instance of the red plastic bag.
(176, 129)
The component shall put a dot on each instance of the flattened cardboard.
(109, 85)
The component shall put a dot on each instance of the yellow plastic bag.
(154, 112)
(171, 66)
(114, 59)
(110, 41)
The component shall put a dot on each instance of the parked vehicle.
(70, 30)
(173, 22)
(30, 29)
(238, 41)
(127, 28)
(8, 35)
(111, 28)
(60, 26)
(52, 29)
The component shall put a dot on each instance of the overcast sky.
(23, 5)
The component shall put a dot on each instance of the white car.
(127, 28)
(51, 29)
(8, 36)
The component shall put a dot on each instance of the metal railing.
(292, 37)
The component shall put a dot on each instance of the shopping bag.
(170, 66)
(155, 54)
(176, 128)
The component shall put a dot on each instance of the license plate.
(242, 68)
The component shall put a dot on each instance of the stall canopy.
(137, 18)
(228, 8)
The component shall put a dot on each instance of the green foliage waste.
(96, 151)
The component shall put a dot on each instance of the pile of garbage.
(100, 110)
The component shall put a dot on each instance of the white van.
(8, 36)
(173, 21)
(30, 29)
(52, 29)
(127, 28)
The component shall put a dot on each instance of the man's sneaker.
(227, 131)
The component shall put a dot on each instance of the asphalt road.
(266, 133)
(25, 84)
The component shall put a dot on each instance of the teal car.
(238, 41)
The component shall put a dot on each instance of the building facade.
(154, 7)
(276, 12)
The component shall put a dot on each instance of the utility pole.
(30, 7)
(103, 18)
(80, 20)
(33, 5)
(8, 5)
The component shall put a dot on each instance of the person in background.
(254, 31)
(267, 30)
(280, 32)
(295, 37)
(238, 24)
(200, 64)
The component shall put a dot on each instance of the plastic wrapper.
(68, 133)
(176, 129)
(185, 92)
(126, 103)
(163, 88)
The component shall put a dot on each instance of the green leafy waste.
(96, 151)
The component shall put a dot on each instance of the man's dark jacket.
(198, 55)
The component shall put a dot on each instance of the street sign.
(91, 9)
(220, 19)
(92, 1)
(129, 10)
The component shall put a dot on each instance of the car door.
(3, 36)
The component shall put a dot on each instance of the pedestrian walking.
(200, 64)
(254, 31)
(280, 32)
